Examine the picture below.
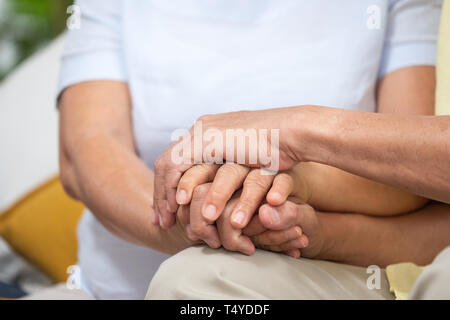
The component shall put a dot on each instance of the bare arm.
(330, 189)
(405, 91)
(406, 151)
(363, 240)
(410, 152)
(99, 165)
(354, 238)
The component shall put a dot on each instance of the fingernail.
(210, 212)
(154, 218)
(160, 220)
(299, 231)
(276, 195)
(239, 217)
(168, 207)
(275, 217)
(181, 197)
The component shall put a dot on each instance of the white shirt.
(186, 58)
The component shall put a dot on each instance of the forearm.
(363, 240)
(330, 189)
(399, 148)
(118, 188)
(99, 165)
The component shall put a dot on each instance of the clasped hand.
(240, 208)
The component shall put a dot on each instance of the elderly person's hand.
(277, 152)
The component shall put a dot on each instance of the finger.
(285, 216)
(281, 189)
(155, 217)
(183, 220)
(159, 195)
(298, 243)
(200, 227)
(228, 179)
(195, 176)
(254, 227)
(294, 253)
(172, 179)
(232, 239)
(255, 187)
(167, 175)
(159, 192)
(183, 215)
(190, 234)
(204, 230)
(275, 237)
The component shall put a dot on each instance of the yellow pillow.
(401, 277)
(443, 63)
(42, 228)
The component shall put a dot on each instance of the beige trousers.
(204, 273)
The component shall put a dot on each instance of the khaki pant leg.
(434, 282)
(204, 273)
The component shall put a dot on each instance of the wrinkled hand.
(168, 173)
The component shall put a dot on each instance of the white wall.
(28, 125)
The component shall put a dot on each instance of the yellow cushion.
(443, 63)
(402, 277)
(42, 228)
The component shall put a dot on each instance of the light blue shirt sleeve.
(94, 50)
(412, 32)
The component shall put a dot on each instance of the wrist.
(337, 232)
(314, 131)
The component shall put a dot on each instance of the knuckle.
(186, 180)
(256, 181)
(232, 169)
(248, 203)
(218, 195)
(159, 162)
(254, 185)
(204, 118)
(207, 169)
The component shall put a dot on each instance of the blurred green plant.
(27, 25)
